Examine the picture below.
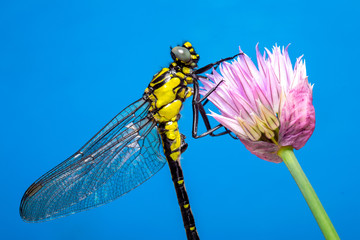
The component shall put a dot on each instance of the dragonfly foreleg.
(215, 64)
(198, 107)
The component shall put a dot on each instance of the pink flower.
(267, 108)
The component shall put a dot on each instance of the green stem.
(287, 155)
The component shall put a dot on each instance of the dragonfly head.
(185, 55)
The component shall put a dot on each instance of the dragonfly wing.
(123, 155)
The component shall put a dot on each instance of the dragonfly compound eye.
(181, 53)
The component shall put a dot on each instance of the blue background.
(67, 67)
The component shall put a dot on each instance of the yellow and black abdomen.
(167, 91)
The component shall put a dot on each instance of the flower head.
(267, 108)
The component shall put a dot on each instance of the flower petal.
(263, 150)
(297, 117)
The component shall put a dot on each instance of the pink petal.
(263, 150)
(229, 123)
(297, 117)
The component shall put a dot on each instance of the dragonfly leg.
(215, 64)
(210, 131)
(205, 97)
(198, 107)
(184, 145)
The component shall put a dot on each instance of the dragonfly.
(129, 149)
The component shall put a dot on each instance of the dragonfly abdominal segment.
(172, 143)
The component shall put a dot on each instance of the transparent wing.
(120, 157)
